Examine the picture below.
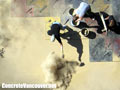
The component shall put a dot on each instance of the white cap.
(52, 38)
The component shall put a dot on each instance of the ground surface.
(26, 44)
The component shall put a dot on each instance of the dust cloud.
(58, 70)
(5, 33)
(14, 31)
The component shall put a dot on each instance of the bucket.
(85, 32)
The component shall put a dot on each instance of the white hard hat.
(52, 38)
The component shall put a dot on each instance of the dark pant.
(89, 13)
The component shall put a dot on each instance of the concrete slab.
(18, 8)
(98, 52)
(115, 8)
(107, 1)
(100, 5)
(40, 7)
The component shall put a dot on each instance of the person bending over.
(55, 33)
(82, 11)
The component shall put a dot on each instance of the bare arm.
(107, 18)
(79, 19)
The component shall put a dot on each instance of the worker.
(55, 33)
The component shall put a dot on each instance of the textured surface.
(98, 51)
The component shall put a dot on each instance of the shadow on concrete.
(91, 35)
(74, 39)
(83, 25)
